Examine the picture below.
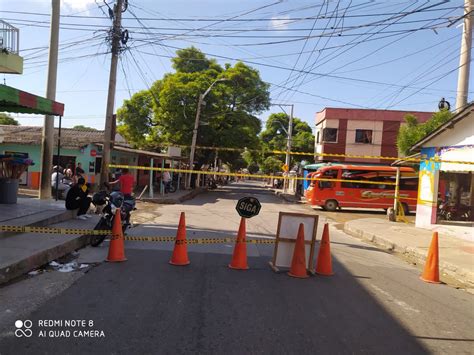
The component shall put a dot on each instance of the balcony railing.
(9, 38)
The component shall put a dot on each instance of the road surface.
(375, 302)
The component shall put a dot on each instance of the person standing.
(126, 181)
(166, 180)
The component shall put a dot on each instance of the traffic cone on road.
(239, 258)
(431, 271)
(324, 262)
(116, 246)
(180, 252)
(298, 263)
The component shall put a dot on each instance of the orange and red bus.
(366, 187)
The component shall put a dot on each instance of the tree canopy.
(84, 128)
(165, 113)
(275, 137)
(413, 131)
(6, 119)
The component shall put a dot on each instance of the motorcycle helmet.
(98, 199)
(117, 198)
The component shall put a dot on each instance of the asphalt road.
(375, 302)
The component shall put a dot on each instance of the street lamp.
(289, 134)
(196, 126)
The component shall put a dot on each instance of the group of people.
(63, 179)
(77, 194)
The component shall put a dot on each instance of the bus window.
(325, 184)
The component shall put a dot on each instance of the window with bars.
(330, 135)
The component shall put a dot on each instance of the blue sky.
(397, 54)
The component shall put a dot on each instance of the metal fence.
(9, 38)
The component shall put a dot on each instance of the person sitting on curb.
(126, 181)
(77, 198)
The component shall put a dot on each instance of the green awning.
(17, 101)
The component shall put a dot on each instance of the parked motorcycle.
(454, 213)
(170, 187)
(110, 204)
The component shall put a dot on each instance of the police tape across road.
(136, 167)
(422, 158)
(75, 231)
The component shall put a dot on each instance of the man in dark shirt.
(77, 198)
(79, 171)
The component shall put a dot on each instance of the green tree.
(191, 60)
(84, 128)
(8, 120)
(413, 131)
(165, 114)
(274, 137)
(271, 165)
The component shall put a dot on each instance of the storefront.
(16, 163)
(446, 185)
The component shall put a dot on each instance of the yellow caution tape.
(49, 230)
(334, 155)
(52, 230)
(197, 240)
(115, 166)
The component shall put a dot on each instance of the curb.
(57, 218)
(416, 255)
(287, 197)
(43, 257)
(173, 201)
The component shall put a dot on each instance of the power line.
(236, 19)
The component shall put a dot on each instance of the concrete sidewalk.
(24, 252)
(288, 197)
(173, 198)
(456, 253)
(21, 253)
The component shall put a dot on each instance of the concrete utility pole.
(116, 37)
(288, 145)
(48, 126)
(195, 130)
(465, 57)
(289, 134)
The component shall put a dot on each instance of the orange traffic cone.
(239, 258)
(116, 247)
(180, 252)
(431, 272)
(298, 263)
(324, 262)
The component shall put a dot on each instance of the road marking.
(390, 298)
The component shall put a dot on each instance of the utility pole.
(116, 37)
(48, 125)
(195, 130)
(288, 146)
(194, 140)
(465, 57)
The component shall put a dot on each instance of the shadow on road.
(145, 305)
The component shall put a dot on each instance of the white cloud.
(78, 5)
(280, 23)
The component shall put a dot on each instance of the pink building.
(360, 132)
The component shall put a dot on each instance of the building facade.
(78, 146)
(449, 182)
(359, 132)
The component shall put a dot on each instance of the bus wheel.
(331, 205)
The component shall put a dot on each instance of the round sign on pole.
(248, 207)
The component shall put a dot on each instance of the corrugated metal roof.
(31, 135)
